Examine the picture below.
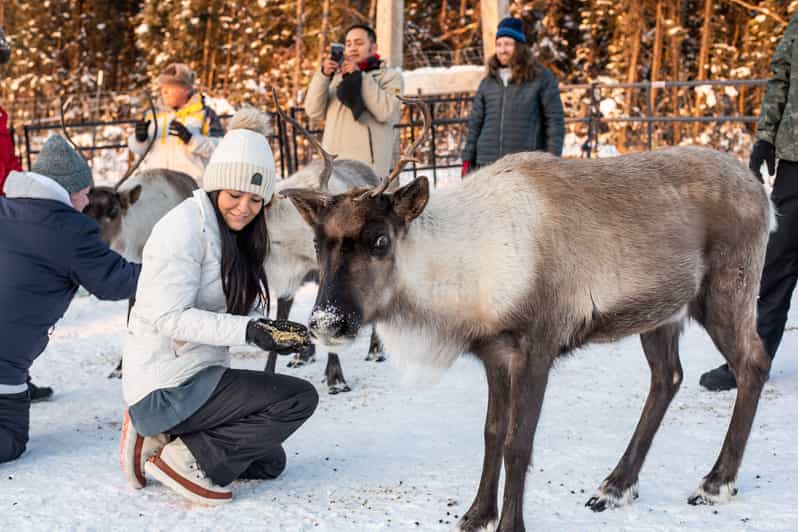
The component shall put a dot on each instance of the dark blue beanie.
(511, 27)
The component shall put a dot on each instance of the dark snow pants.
(781, 259)
(239, 431)
(14, 425)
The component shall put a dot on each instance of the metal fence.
(584, 118)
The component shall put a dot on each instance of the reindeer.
(127, 214)
(292, 259)
(535, 256)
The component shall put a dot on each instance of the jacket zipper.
(501, 119)
(371, 145)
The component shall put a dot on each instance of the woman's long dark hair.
(523, 65)
(243, 254)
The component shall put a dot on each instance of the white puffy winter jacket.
(179, 323)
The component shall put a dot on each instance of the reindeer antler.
(133, 168)
(64, 129)
(407, 156)
(324, 178)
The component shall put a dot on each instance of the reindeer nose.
(326, 324)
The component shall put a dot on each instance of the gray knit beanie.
(60, 162)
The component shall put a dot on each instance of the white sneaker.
(134, 450)
(175, 467)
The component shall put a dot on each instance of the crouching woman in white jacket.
(193, 423)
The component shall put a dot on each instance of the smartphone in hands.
(337, 52)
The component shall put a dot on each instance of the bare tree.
(300, 31)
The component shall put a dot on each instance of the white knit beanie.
(243, 159)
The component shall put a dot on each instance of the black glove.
(763, 152)
(281, 336)
(142, 130)
(179, 130)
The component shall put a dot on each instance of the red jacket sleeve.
(8, 159)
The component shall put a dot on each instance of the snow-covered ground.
(392, 455)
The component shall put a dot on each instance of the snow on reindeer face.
(356, 238)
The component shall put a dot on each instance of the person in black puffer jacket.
(517, 106)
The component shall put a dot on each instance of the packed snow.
(392, 455)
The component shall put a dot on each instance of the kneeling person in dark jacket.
(48, 248)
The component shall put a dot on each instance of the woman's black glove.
(179, 130)
(763, 152)
(142, 130)
(281, 336)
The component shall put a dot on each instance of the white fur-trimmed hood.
(35, 186)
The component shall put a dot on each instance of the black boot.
(718, 379)
(39, 393)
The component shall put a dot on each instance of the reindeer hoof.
(338, 388)
(115, 374)
(376, 357)
(469, 524)
(712, 495)
(610, 497)
(295, 363)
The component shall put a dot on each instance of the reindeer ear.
(309, 203)
(409, 201)
(129, 197)
(134, 195)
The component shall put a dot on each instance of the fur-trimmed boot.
(135, 449)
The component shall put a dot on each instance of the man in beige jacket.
(358, 101)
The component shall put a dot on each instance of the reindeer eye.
(380, 245)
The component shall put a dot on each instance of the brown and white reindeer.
(535, 256)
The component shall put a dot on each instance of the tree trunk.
(706, 34)
(372, 12)
(206, 47)
(458, 50)
(300, 30)
(676, 47)
(325, 28)
(636, 9)
(656, 60)
(703, 59)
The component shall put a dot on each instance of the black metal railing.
(449, 121)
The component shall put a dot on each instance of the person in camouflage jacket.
(777, 139)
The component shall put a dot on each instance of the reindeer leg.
(731, 323)
(284, 305)
(661, 347)
(117, 372)
(529, 374)
(484, 512)
(375, 348)
(334, 375)
(308, 356)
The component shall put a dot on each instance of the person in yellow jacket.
(358, 100)
(188, 130)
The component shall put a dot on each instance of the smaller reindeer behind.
(293, 260)
(127, 215)
(535, 256)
